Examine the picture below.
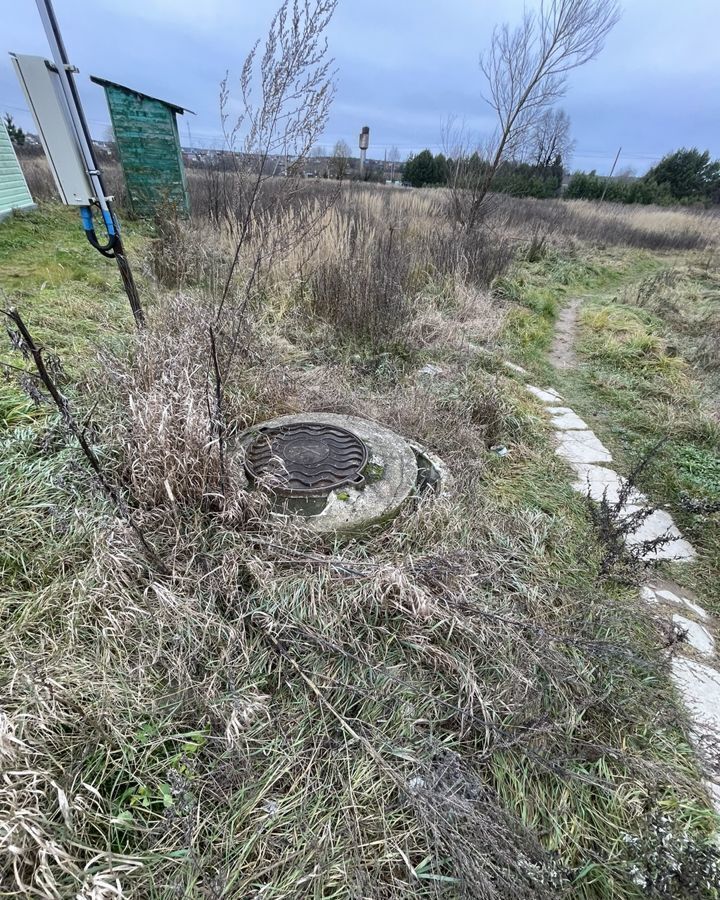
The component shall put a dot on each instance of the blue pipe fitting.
(87, 219)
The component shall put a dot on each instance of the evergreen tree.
(441, 169)
(16, 135)
(420, 170)
(688, 174)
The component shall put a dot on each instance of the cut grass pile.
(453, 706)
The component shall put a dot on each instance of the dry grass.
(611, 224)
(522, 220)
(42, 186)
(363, 264)
(687, 298)
(447, 707)
(282, 716)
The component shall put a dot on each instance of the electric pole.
(607, 180)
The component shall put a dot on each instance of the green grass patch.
(535, 291)
(636, 389)
(70, 296)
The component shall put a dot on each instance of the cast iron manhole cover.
(306, 458)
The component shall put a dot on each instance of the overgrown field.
(456, 705)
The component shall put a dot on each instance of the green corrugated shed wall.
(148, 144)
(14, 193)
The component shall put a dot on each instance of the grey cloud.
(403, 68)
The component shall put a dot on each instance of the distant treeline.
(686, 176)
(518, 179)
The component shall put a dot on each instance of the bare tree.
(340, 160)
(550, 139)
(394, 159)
(527, 68)
(319, 153)
(285, 96)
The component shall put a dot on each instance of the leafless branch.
(27, 344)
(285, 98)
(217, 427)
(526, 69)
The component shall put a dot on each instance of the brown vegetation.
(426, 711)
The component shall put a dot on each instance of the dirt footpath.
(562, 354)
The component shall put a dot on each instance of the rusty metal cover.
(306, 459)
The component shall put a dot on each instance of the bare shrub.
(163, 423)
(363, 288)
(617, 520)
(285, 98)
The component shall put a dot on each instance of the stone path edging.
(695, 670)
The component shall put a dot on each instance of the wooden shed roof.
(105, 83)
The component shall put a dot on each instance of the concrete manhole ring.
(391, 475)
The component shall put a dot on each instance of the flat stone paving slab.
(599, 481)
(648, 594)
(659, 524)
(672, 597)
(548, 396)
(699, 685)
(696, 635)
(581, 447)
(566, 420)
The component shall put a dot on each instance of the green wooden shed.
(14, 192)
(148, 143)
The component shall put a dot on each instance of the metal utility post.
(364, 144)
(607, 180)
(114, 246)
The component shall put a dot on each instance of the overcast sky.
(404, 66)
